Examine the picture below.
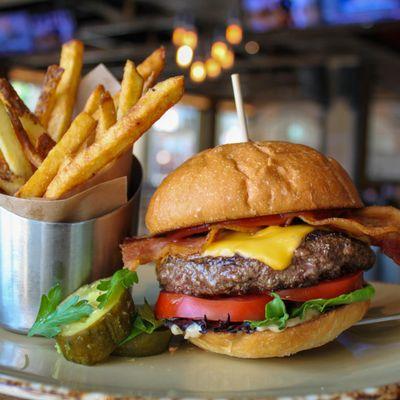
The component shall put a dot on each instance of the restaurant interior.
(324, 73)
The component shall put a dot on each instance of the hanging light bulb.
(234, 33)
(219, 50)
(252, 47)
(190, 38)
(229, 59)
(213, 68)
(184, 56)
(198, 71)
(178, 35)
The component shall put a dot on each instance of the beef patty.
(322, 255)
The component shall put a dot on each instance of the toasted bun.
(246, 180)
(314, 333)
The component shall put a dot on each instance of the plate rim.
(31, 389)
(29, 386)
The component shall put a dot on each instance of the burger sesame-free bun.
(308, 335)
(246, 180)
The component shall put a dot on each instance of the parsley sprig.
(122, 279)
(52, 315)
(144, 322)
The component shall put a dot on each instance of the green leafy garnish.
(276, 312)
(144, 322)
(122, 279)
(321, 305)
(52, 315)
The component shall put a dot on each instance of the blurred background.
(320, 72)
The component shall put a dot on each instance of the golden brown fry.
(71, 62)
(118, 138)
(116, 100)
(47, 98)
(44, 142)
(30, 153)
(149, 70)
(155, 62)
(92, 108)
(93, 102)
(15, 107)
(106, 117)
(11, 147)
(37, 135)
(9, 183)
(12, 185)
(80, 129)
(131, 89)
(5, 172)
(149, 82)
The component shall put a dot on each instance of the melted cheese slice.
(273, 246)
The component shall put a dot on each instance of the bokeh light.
(198, 71)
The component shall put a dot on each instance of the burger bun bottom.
(314, 333)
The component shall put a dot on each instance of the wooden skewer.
(237, 93)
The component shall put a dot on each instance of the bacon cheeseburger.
(261, 248)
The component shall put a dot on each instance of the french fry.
(80, 129)
(40, 140)
(93, 102)
(47, 98)
(11, 147)
(11, 185)
(92, 108)
(5, 172)
(118, 138)
(71, 62)
(149, 82)
(106, 117)
(149, 70)
(116, 100)
(155, 62)
(131, 89)
(30, 153)
(44, 142)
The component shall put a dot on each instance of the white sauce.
(175, 330)
(192, 331)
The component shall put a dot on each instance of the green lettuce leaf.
(277, 313)
(321, 305)
(144, 322)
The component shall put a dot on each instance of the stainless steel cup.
(35, 255)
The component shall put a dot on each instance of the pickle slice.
(94, 339)
(145, 344)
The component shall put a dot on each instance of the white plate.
(363, 357)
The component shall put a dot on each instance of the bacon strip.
(380, 226)
(137, 251)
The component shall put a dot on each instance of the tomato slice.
(249, 307)
(238, 308)
(325, 290)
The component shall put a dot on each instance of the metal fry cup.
(35, 255)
